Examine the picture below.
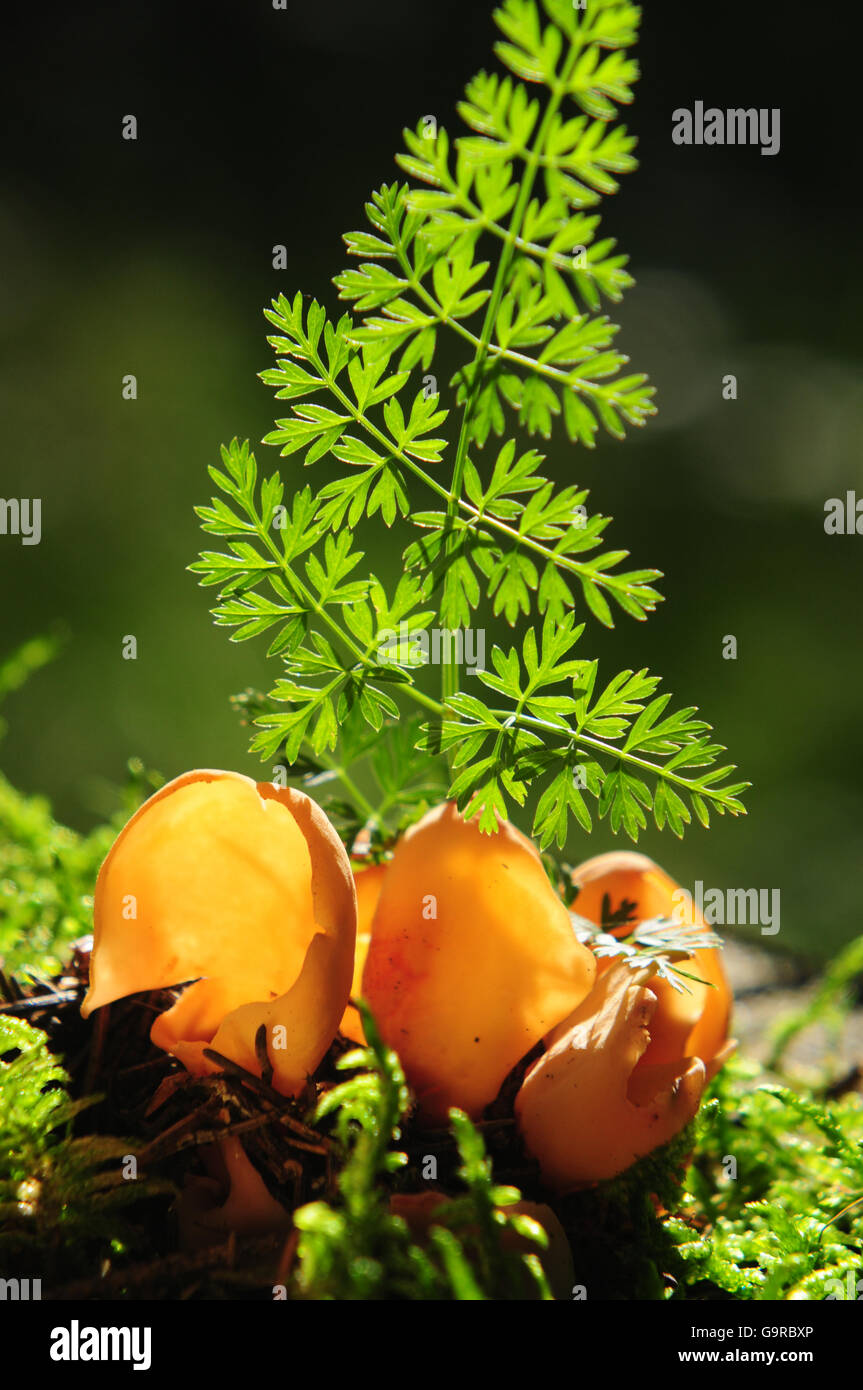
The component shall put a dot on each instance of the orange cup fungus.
(245, 888)
(234, 1197)
(584, 1109)
(627, 1070)
(472, 959)
(692, 1023)
(464, 952)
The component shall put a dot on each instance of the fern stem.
(519, 359)
(609, 750)
(341, 773)
(449, 673)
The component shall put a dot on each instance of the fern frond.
(495, 243)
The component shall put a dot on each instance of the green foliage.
(47, 874)
(62, 1198)
(473, 1225)
(674, 1225)
(656, 942)
(404, 782)
(33, 1100)
(606, 743)
(790, 1225)
(358, 1249)
(47, 871)
(493, 243)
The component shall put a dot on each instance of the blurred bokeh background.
(154, 257)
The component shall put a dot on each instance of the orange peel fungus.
(461, 946)
(245, 888)
(692, 1022)
(472, 959)
(626, 1071)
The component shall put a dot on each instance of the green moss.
(63, 1198)
(774, 1206)
(357, 1248)
(47, 874)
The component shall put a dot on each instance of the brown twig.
(38, 1002)
(263, 1055)
(263, 1091)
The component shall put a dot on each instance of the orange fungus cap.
(245, 888)
(472, 959)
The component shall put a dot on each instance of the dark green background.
(259, 127)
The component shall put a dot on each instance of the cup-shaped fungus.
(686, 1023)
(585, 1109)
(246, 889)
(368, 882)
(233, 1198)
(472, 959)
